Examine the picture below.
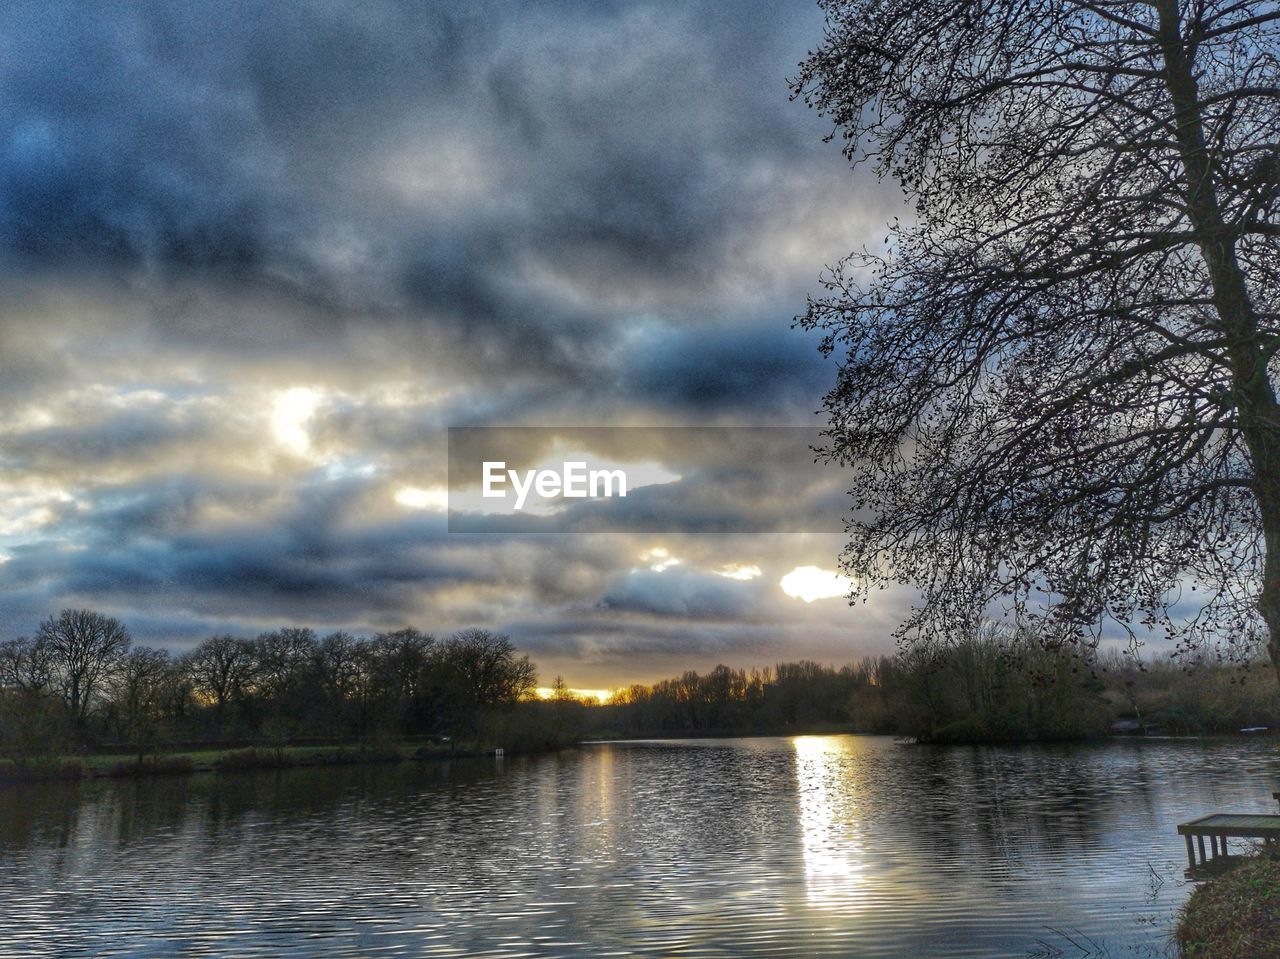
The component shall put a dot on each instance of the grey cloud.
(534, 213)
(679, 592)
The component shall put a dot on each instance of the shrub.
(252, 759)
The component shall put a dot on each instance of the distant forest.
(80, 682)
(996, 686)
(80, 685)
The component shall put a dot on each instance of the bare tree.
(339, 668)
(1057, 389)
(83, 647)
(27, 665)
(142, 695)
(221, 669)
(282, 659)
(32, 718)
(487, 666)
(403, 656)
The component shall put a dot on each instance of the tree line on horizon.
(81, 681)
(994, 685)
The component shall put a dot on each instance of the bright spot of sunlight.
(289, 415)
(599, 695)
(830, 825)
(810, 583)
(415, 497)
(658, 559)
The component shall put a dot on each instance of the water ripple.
(815, 846)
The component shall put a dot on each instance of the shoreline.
(215, 760)
(1106, 737)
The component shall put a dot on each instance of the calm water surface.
(812, 846)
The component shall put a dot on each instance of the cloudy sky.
(257, 258)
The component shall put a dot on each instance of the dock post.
(1191, 852)
(1200, 845)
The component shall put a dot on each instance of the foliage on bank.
(80, 687)
(1234, 916)
(994, 686)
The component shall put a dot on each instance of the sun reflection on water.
(832, 833)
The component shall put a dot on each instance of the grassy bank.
(1236, 915)
(215, 759)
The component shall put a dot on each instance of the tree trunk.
(77, 709)
(1253, 394)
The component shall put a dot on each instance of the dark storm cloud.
(118, 150)
(689, 594)
(299, 564)
(764, 369)
(127, 435)
(427, 215)
(610, 147)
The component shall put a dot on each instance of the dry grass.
(1236, 916)
(42, 770)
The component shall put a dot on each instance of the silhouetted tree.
(399, 678)
(221, 669)
(282, 663)
(141, 696)
(27, 664)
(286, 683)
(33, 719)
(83, 647)
(560, 691)
(475, 672)
(341, 674)
(1057, 388)
(488, 667)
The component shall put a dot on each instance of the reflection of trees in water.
(989, 807)
(757, 831)
(659, 848)
(38, 814)
(986, 813)
(207, 809)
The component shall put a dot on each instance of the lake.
(806, 846)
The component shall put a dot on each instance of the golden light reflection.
(834, 844)
(598, 695)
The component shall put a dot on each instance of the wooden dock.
(1221, 826)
